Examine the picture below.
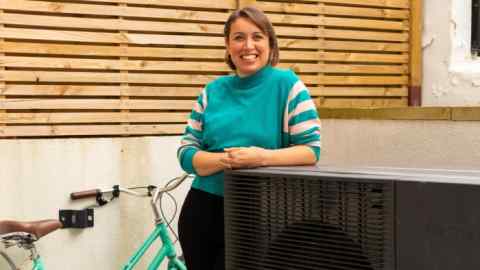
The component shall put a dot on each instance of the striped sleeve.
(301, 121)
(191, 141)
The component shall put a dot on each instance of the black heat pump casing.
(324, 218)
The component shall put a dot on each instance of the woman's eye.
(237, 38)
(258, 37)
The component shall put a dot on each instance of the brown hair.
(261, 21)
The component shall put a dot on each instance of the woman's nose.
(249, 44)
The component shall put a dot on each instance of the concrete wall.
(38, 175)
(426, 144)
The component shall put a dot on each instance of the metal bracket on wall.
(76, 218)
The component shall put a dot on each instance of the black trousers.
(201, 231)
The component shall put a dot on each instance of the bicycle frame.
(38, 264)
(160, 232)
(167, 250)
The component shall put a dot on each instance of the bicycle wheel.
(8, 260)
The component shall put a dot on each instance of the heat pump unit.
(325, 218)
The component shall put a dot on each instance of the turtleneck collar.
(253, 79)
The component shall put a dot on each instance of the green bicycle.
(25, 234)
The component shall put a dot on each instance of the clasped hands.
(244, 157)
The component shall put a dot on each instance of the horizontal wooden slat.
(375, 3)
(405, 113)
(117, 51)
(312, 9)
(359, 91)
(285, 31)
(95, 37)
(347, 69)
(293, 19)
(366, 12)
(152, 91)
(92, 117)
(300, 44)
(102, 64)
(131, 38)
(465, 113)
(330, 11)
(363, 80)
(66, 8)
(360, 102)
(91, 77)
(92, 104)
(353, 46)
(363, 57)
(142, 65)
(364, 23)
(178, 27)
(109, 24)
(363, 35)
(172, 52)
(108, 10)
(90, 130)
(298, 8)
(197, 53)
(210, 4)
(99, 90)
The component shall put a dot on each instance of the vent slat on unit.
(306, 223)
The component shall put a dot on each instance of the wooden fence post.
(416, 26)
(124, 86)
(321, 51)
(3, 113)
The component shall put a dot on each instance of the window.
(465, 39)
(475, 27)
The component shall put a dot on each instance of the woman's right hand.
(245, 157)
(208, 163)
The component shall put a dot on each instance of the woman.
(261, 116)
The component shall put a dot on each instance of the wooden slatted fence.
(134, 67)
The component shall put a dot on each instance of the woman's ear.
(226, 43)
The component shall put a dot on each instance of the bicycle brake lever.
(100, 200)
(150, 189)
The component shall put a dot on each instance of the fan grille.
(279, 222)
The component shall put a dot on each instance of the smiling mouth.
(249, 57)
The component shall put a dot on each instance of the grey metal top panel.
(377, 173)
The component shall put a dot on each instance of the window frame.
(475, 32)
(462, 61)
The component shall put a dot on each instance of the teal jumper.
(271, 109)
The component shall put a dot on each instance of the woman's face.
(248, 47)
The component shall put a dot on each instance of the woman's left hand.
(246, 157)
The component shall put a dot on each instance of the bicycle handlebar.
(116, 190)
(85, 194)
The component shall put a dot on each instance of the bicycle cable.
(169, 222)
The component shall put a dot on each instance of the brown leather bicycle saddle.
(38, 228)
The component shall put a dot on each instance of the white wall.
(37, 177)
(451, 74)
